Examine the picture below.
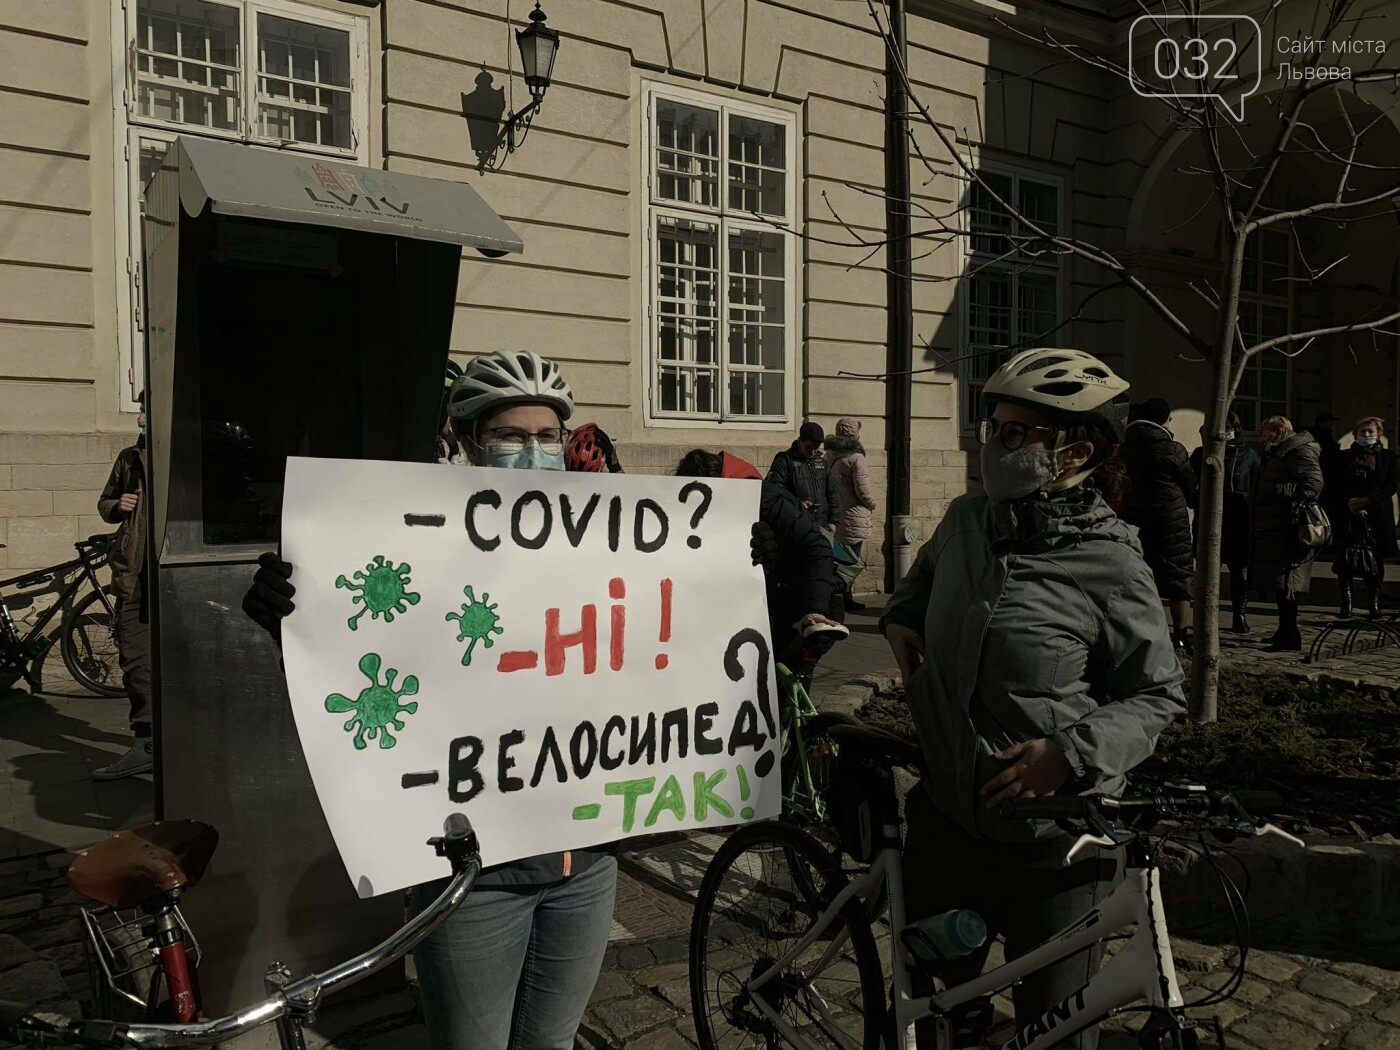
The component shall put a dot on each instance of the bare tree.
(1237, 176)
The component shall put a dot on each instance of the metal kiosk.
(294, 307)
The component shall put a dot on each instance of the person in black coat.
(803, 471)
(800, 573)
(1161, 486)
(1242, 465)
(1366, 483)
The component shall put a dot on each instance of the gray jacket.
(1039, 620)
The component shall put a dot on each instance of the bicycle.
(815, 977)
(151, 867)
(87, 633)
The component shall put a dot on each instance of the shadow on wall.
(484, 110)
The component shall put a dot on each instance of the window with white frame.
(272, 73)
(719, 271)
(1011, 298)
(1265, 301)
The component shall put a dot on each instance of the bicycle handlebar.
(30, 1025)
(1160, 805)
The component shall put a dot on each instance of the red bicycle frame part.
(180, 981)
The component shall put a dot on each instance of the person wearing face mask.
(1278, 563)
(123, 504)
(1036, 659)
(1366, 482)
(1241, 471)
(514, 967)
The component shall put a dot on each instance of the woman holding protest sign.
(514, 967)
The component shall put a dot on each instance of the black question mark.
(693, 542)
(735, 670)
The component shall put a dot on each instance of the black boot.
(851, 604)
(1373, 597)
(1344, 585)
(1288, 639)
(1237, 597)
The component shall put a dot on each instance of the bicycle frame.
(1144, 969)
(798, 709)
(87, 565)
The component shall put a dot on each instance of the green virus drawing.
(382, 588)
(477, 621)
(378, 707)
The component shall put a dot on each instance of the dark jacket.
(1242, 466)
(1040, 620)
(1161, 486)
(1292, 473)
(128, 554)
(809, 479)
(1369, 474)
(800, 582)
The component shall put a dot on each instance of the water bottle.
(948, 935)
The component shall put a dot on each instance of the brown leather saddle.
(133, 867)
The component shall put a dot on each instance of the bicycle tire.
(717, 937)
(89, 647)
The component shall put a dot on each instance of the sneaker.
(137, 760)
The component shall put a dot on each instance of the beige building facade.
(701, 199)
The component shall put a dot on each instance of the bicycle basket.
(122, 958)
(862, 802)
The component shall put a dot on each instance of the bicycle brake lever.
(1274, 829)
(1085, 841)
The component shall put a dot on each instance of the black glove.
(270, 597)
(763, 545)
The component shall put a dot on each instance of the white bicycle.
(782, 953)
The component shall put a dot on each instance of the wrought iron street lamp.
(539, 45)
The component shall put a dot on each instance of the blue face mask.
(1367, 441)
(141, 426)
(528, 456)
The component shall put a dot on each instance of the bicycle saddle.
(876, 744)
(132, 867)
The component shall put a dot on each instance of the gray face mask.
(1008, 475)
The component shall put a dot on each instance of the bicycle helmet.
(591, 450)
(509, 377)
(1069, 386)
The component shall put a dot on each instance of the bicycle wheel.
(90, 647)
(764, 891)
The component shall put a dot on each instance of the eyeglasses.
(551, 440)
(1013, 432)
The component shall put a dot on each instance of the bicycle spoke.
(769, 899)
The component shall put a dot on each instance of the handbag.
(1360, 556)
(1313, 528)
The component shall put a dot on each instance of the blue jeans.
(514, 968)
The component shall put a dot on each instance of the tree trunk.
(1225, 378)
(1205, 665)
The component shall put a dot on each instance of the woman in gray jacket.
(1036, 659)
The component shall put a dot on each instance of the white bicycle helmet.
(509, 377)
(1066, 384)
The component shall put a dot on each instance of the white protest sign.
(569, 659)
